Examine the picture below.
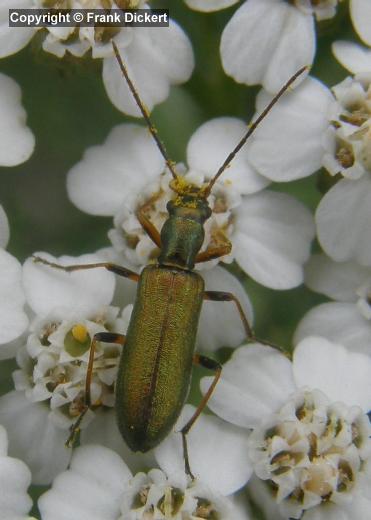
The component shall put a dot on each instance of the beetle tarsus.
(187, 467)
(75, 429)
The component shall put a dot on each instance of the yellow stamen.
(80, 332)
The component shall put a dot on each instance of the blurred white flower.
(360, 12)
(99, 484)
(17, 141)
(267, 41)
(353, 57)
(156, 57)
(15, 478)
(348, 319)
(310, 438)
(270, 232)
(13, 320)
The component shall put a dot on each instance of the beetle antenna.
(252, 128)
(144, 111)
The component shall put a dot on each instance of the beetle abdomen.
(156, 361)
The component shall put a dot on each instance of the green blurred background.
(68, 110)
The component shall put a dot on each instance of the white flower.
(310, 128)
(156, 57)
(69, 308)
(15, 478)
(310, 438)
(99, 484)
(13, 39)
(354, 57)
(292, 142)
(13, 320)
(270, 232)
(218, 452)
(17, 141)
(360, 12)
(267, 41)
(348, 319)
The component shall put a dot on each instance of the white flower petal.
(217, 453)
(260, 494)
(256, 381)
(329, 511)
(15, 478)
(352, 56)
(272, 238)
(266, 42)
(207, 6)
(342, 217)
(359, 508)
(33, 437)
(242, 510)
(103, 430)
(156, 58)
(13, 39)
(4, 228)
(337, 280)
(17, 141)
(338, 322)
(125, 163)
(342, 375)
(210, 145)
(90, 490)
(220, 323)
(360, 12)
(13, 320)
(288, 144)
(80, 292)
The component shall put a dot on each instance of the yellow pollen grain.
(79, 332)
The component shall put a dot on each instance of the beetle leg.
(107, 337)
(117, 269)
(211, 365)
(148, 227)
(221, 296)
(223, 248)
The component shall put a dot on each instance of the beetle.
(158, 352)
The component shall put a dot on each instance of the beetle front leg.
(211, 365)
(148, 227)
(117, 269)
(107, 337)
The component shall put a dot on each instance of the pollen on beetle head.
(129, 238)
(80, 332)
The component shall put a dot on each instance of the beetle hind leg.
(210, 364)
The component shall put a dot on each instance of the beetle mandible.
(158, 352)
